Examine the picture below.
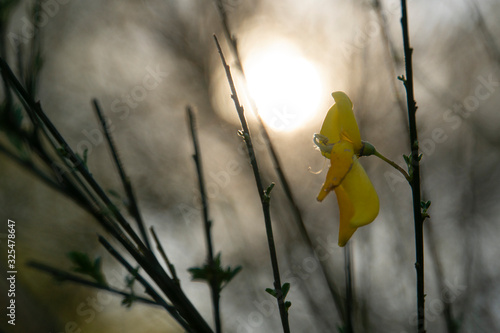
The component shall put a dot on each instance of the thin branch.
(264, 197)
(65, 276)
(391, 51)
(348, 287)
(149, 289)
(331, 284)
(134, 207)
(489, 40)
(28, 165)
(415, 181)
(214, 284)
(74, 158)
(144, 257)
(170, 266)
(225, 25)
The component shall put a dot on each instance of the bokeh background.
(109, 50)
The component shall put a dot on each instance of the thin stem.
(77, 162)
(30, 166)
(391, 51)
(394, 165)
(277, 163)
(264, 198)
(65, 276)
(134, 207)
(111, 219)
(415, 181)
(214, 284)
(149, 289)
(348, 288)
(170, 266)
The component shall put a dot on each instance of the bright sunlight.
(285, 86)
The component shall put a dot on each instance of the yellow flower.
(340, 141)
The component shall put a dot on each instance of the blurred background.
(145, 61)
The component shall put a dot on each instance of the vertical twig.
(170, 266)
(264, 197)
(348, 288)
(391, 51)
(214, 284)
(415, 165)
(134, 208)
(277, 164)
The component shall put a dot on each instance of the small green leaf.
(288, 304)
(424, 205)
(267, 192)
(62, 152)
(128, 300)
(215, 271)
(130, 279)
(407, 159)
(198, 273)
(84, 265)
(84, 158)
(271, 292)
(285, 289)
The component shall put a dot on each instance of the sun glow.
(285, 86)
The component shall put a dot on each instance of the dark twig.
(391, 51)
(149, 289)
(348, 287)
(214, 284)
(29, 166)
(277, 165)
(264, 197)
(133, 206)
(489, 39)
(415, 165)
(74, 158)
(109, 217)
(65, 276)
(170, 266)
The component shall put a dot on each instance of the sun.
(285, 86)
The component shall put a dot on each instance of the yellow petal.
(341, 162)
(346, 212)
(340, 119)
(358, 202)
(362, 194)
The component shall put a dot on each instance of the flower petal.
(341, 162)
(346, 210)
(340, 118)
(358, 202)
(362, 194)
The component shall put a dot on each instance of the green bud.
(367, 149)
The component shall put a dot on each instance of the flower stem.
(394, 165)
